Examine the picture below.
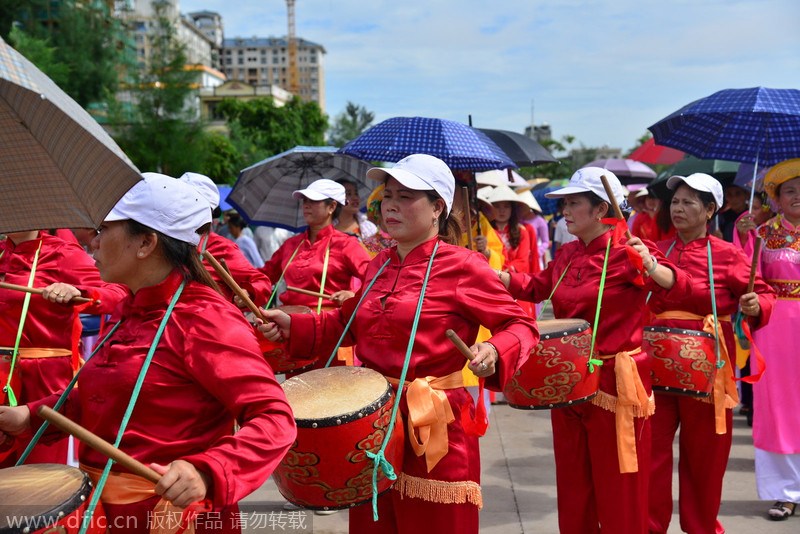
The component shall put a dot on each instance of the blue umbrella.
(458, 145)
(756, 125)
(224, 191)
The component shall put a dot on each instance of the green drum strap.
(553, 292)
(592, 360)
(283, 273)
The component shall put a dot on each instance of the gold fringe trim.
(607, 401)
(439, 491)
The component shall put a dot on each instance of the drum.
(557, 372)
(683, 362)
(277, 354)
(342, 413)
(5, 370)
(46, 498)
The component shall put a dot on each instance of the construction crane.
(294, 74)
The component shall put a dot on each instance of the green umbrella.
(722, 170)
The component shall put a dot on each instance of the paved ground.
(518, 480)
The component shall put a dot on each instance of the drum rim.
(671, 390)
(58, 512)
(681, 331)
(566, 404)
(300, 369)
(338, 420)
(577, 329)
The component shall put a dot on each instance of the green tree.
(160, 132)
(350, 124)
(9, 13)
(40, 53)
(259, 128)
(223, 160)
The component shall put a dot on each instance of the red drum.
(46, 498)
(557, 372)
(683, 362)
(341, 413)
(277, 354)
(5, 370)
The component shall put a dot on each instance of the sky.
(601, 71)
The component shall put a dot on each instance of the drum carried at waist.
(557, 372)
(683, 362)
(45, 498)
(277, 354)
(341, 414)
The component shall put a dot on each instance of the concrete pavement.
(519, 492)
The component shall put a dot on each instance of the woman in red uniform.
(705, 437)
(602, 447)
(439, 488)
(207, 371)
(48, 351)
(321, 259)
(516, 242)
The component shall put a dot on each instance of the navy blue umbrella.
(756, 125)
(458, 145)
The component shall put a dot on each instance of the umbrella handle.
(228, 279)
(754, 265)
(613, 200)
(467, 216)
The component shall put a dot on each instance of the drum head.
(37, 495)
(561, 327)
(295, 309)
(335, 395)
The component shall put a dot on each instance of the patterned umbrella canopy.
(747, 125)
(263, 192)
(58, 167)
(458, 145)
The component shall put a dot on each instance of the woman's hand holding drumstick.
(482, 356)
(275, 326)
(59, 293)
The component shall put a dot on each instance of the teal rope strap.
(592, 360)
(126, 417)
(378, 459)
(61, 400)
(353, 316)
(720, 363)
(283, 273)
(553, 292)
(650, 294)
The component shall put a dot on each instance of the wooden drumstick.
(754, 265)
(39, 291)
(233, 285)
(468, 216)
(309, 293)
(613, 200)
(460, 345)
(97, 443)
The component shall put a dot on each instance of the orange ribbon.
(429, 413)
(36, 352)
(632, 401)
(724, 382)
(127, 488)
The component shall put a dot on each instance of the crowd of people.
(179, 381)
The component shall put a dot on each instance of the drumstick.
(309, 293)
(468, 216)
(38, 291)
(460, 345)
(97, 443)
(233, 285)
(225, 265)
(613, 200)
(754, 265)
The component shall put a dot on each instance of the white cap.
(165, 204)
(587, 180)
(322, 189)
(204, 185)
(503, 193)
(527, 198)
(420, 172)
(699, 182)
(643, 192)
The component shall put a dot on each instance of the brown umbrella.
(58, 167)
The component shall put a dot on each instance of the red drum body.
(5, 370)
(277, 354)
(342, 413)
(46, 499)
(683, 362)
(557, 372)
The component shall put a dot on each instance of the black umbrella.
(522, 150)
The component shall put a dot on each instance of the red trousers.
(593, 496)
(701, 465)
(398, 515)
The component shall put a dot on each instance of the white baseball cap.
(322, 189)
(166, 204)
(420, 172)
(587, 180)
(700, 182)
(204, 185)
